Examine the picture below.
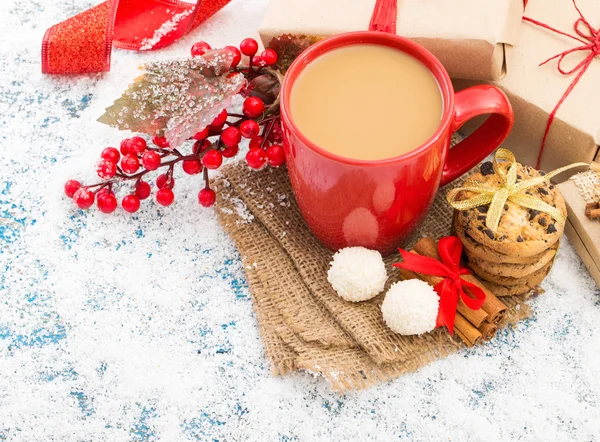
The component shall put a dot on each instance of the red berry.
(130, 164)
(151, 160)
(220, 119)
(111, 154)
(83, 198)
(161, 181)
(71, 187)
(200, 48)
(103, 191)
(160, 141)
(142, 190)
(202, 134)
(258, 61)
(107, 203)
(212, 159)
(249, 129)
(249, 47)
(230, 152)
(137, 145)
(201, 146)
(269, 56)
(253, 107)
(275, 155)
(257, 142)
(124, 148)
(237, 55)
(192, 167)
(106, 169)
(131, 203)
(207, 197)
(231, 136)
(165, 196)
(256, 158)
(276, 134)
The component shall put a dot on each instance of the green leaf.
(176, 98)
(288, 47)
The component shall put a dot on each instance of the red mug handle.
(469, 103)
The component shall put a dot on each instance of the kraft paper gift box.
(534, 90)
(583, 233)
(470, 37)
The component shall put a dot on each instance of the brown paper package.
(583, 233)
(535, 90)
(470, 37)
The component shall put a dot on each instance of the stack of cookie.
(519, 254)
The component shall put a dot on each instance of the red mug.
(377, 204)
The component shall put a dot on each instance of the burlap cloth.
(303, 323)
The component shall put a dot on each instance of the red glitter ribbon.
(590, 41)
(452, 286)
(83, 43)
(384, 16)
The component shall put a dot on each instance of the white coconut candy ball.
(357, 273)
(410, 307)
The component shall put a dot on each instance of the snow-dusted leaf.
(176, 98)
(288, 47)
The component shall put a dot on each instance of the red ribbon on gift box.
(590, 41)
(452, 286)
(385, 14)
(83, 43)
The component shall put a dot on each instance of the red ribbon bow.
(590, 41)
(452, 286)
(83, 43)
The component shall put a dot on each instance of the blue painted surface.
(212, 380)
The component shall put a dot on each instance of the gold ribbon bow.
(496, 196)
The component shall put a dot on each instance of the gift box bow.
(589, 41)
(508, 190)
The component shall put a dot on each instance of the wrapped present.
(470, 37)
(554, 84)
(581, 191)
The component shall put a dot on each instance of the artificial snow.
(140, 328)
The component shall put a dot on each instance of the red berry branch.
(128, 167)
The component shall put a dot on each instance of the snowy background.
(134, 328)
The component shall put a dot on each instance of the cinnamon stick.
(475, 317)
(494, 308)
(592, 210)
(488, 330)
(463, 328)
(466, 331)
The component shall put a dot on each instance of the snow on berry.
(106, 169)
(151, 160)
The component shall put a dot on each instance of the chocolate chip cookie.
(530, 280)
(515, 270)
(521, 232)
(474, 251)
(501, 290)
